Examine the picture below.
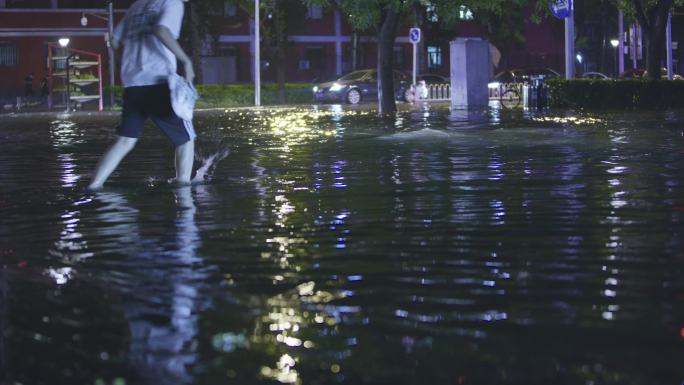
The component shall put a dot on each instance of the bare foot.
(178, 182)
(94, 187)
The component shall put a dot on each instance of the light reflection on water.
(335, 246)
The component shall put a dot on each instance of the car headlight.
(336, 87)
(315, 89)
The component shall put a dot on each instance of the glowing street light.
(614, 42)
(63, 42)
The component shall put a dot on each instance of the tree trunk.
(653, 21)
(196, 39)
(387, 31)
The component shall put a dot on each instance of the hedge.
(615, 94)
(237, 95)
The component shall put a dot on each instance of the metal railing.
(439, 92)
(433, 92)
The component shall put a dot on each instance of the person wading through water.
(149, 33)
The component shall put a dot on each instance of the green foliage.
(240, 95)
(366, 14)
(616, 94)
(236, 95)
(116, 381)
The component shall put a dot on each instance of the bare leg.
(185, 155)
(110, 160)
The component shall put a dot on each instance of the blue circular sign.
(561, 8)
(414, 35)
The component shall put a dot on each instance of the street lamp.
(257, 56)
(615, 43)
(580, 60)
(110, 50)
(63, 42)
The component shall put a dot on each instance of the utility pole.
(257, 56)
(570, 43)
(621, 40)
(668, 41)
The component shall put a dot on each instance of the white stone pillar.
(470, 63)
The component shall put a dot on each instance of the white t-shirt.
(146, 61)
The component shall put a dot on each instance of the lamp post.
(64, 42)
(110, 50)
(615, 43)
(668, 45)
(257, 56)
(621, 42)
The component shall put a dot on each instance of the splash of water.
(423, 134)
(209, 162)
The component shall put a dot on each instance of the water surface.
(333, 246)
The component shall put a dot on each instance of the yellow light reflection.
(569, 120)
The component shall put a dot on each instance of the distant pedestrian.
(28, 85)
(44, 89)
(148, 33)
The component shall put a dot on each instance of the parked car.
(355, 87)
(523, 75)
(595, 76)
(404, 92)
(640, 73)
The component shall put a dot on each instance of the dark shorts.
(154, 102)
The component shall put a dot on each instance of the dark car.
(640, 73)
(354, 87)
(523, 75)
(404, 92)
(595, 76)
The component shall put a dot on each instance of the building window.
(434, 54)
(8, 54)
(314, 12)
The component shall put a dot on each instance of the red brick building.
(320, 47)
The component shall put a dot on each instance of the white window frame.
(8, 55)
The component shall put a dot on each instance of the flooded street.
(333, 246)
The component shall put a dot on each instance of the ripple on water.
(335, 246)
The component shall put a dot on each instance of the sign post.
(563, 9)
(414, 38)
